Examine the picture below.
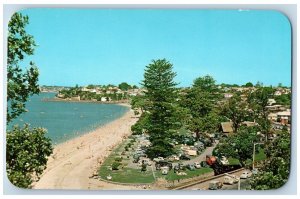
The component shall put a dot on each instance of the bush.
(118, 159)
(115, 165)
(27, 152)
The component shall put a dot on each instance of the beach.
(74, 162)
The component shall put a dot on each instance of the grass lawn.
(173, 176)
(131, 175)
(124, 175)
(127, 175)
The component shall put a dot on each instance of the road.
(202, 156)
(204, 185)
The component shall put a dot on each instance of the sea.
(66, 120)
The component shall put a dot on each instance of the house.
(275, 108)
(227, 127)
(284, 117)
(277, 93)
(272, 116)
(271, 102)
(228, 95)
(104, 99)
(248, 124)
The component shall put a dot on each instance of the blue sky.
(94, 46)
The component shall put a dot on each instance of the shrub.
(115, 165)
(118, 159)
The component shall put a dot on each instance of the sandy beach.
(74, 162)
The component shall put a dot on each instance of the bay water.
(66, 120)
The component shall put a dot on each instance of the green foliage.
(238, 145)
(284, 99)
(124, 86)
(141, 125)
(235, 109)
(139, 102)
(276, 169)
(118, 159)
(200, 101)
(20, 84)
(144, 168)
(26, 154)
(258, 101)
(206, 83)
(248, 84)
(161, 98)
(115, 165)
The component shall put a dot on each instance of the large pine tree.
(161, 93)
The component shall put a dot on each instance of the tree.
(26, 154)
(206, 83)
(238, 145)
(26, 149)
(200, 100)
(284, 99)
(258, 101)
(161, 94)
(20, 84)
(235, 109)
(139, 102)
(276, 169)
(259, 84)
(248, 84)
(124, 86)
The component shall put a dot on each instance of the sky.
(110, 46)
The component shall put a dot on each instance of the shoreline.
(74, 161)
(97, 128)
(55, 99)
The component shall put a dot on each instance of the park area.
(121, 166)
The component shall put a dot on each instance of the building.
(228, 95)
(284, 117)
(227, 127)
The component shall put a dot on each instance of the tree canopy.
(26, 154)
(276, 168)
(161, 95)
(238, 145)
(124, 86)
(20, 84)
(200, 101)
(26, 149)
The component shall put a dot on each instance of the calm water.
(66, 120)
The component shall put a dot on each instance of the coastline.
(74, 161)
(55, 99)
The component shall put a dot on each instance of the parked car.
(204, 164)
(164, 163)
(246, 174)
(181, 166)
(176, 168)
(197, 165)
(214, 185)
(164, 170)
(190, 167)
(228, 180)
(173, 158)
(185, 157)
(158, 159)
